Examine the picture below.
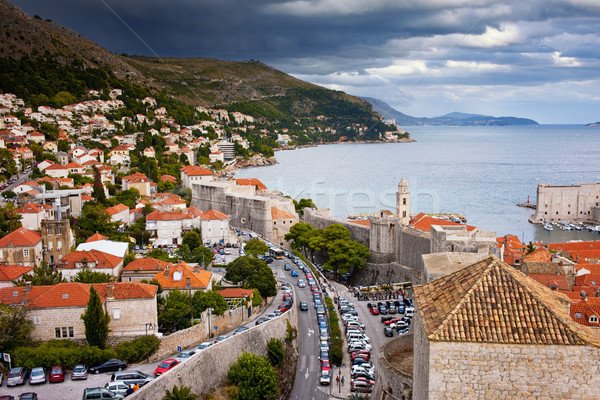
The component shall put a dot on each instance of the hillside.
(250, 86)
(451, 119)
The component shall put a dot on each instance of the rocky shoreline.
(406, 140)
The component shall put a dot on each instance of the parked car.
(374, 310)
(165, 366)
(184, 355)
(131, 377)
(37, 376)
(56, 375)
(403, 331)
(362, 385)
(325, 378)
(79, 372)
(387, 331)
(301, 283)
(100, 393)
(261, 320)
(108, 366)
(240, 330)
(17, 376)
(359, 360)
(287, 267)
(28, 396)
(117, 387)
(204, 345)
(221, 338)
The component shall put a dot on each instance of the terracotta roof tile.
(21, 237)
(11, 272)
(251, 182)
(95, 237)
(538, 255)
(146, 264)
(551, 281)
(235, 293)
(33, 208)
(181, 271)
(194, 170)
(116, 209)
(99, 258)
(491, 302)
(425, 222)
(277, 213)
(168, 216)
(364, 222)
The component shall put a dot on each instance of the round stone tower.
(403, 202)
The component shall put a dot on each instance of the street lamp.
(188, 285)
(243, 307)
(150, 326)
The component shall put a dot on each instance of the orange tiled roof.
(95, 237)
(33, 208)
(235, 293)
(194, 170)
(116, 209)
(73, 294)
(181, 271)
(251, 182)
(424, 223)
(591, 245)
(146, 264)
(167, 216)
(582, 310)
(137, 177)
(557, 281)
(165, 177)
(213, 214)
(588, 280)
(277, 213)
(21, 237)
(538, 255)
(173, 201)
(12, 272)
(365, 222)
(99, 258)
(491, 302)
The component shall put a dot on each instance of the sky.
(536, 59)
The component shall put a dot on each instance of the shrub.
(59, 352)
(137, 349)
(336, 349)
(255, 378)
(275, 351)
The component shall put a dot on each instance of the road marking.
(307, 374)
(310, 332)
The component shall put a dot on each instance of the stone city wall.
(411, 245)
(498, 371)
(320, 219)
(208, 368)
(199, 333)
(394, 384)
(376, 274)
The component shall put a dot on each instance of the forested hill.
(30, 42)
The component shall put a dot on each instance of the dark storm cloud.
(367, 48)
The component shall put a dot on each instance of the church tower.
(403, 202)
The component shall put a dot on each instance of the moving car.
(165, 366)
(56, 375)
(79, 372)
(184, 355)
(221, 338)
(261, 320)
(108, 366)
(38, 375)
(301, 283)
(303, 306)
(240, 330)
(28, 396)
(294, 273)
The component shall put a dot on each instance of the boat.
(548, 227)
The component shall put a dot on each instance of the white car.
(184, 355)
(117, 387)
(227, 251)
(325, 378)
(204, 345)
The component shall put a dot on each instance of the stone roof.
(491, 302)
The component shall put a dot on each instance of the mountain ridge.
(451, 119)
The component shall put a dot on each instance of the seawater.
(480, 172)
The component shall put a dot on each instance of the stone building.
(143, 268)
(56, 310)
(21, 247)
(567, 203)
(488, 331)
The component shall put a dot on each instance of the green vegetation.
(9, 219)
(275, 351)
(210, 299)
(42, 275)
(252, 273)
(255, 378)
(96, 321)
(16, 327)
(337, 342)
(256, 247)
(89, 276)
(180, 393)
(302, 204)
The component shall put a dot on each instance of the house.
(96, 260)
(214, 227)
(57, 171)
(56, 310)
(118, 249)
(170, 226)
(171, 204)
(149, 152)
(36, 137)
(282, 222)
(9, 273)
(32, 215)
(489, 331)
(119, 159)
(118, 213)
(51, 147)
(424, 222)
(143, 268)
(216, 156)
(168, 178)
(21, 247)
(96, 237)
(183, 277)
(140, 182)
(194, 173)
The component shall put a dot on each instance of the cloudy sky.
(537, 59)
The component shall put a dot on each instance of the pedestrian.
(342, 381)
(337, 379)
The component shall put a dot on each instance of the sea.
(479, 172)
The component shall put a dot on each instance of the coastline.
(406, 140)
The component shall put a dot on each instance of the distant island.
(451, 119)
(594, 124)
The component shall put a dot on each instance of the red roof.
(213, 214)
(167, 216)
(165, 177)
(146, 264)
(137, 177)
(194, 170)
(11, 272)
(177, 274)
(21, 237)
(116, 209)
(251, 182)
(364, 222)
(552, 281)
(424, 222)
(236, 293)
(538, 255)
(99, 258)
(73, 294)
(582, 311)
(95, 237)
(33, 208)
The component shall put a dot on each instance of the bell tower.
(403, 202)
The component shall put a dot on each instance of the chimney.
(27, 287)
(188, 282)
(167, 272)
(110, 290)
(583, 295)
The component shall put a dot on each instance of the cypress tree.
(95, 320)
(98, 192)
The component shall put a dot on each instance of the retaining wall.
(320, 219)
(208, 368)
(394, 384)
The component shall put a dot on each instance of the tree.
(336, 231)
(98, 192)
(200, 255)
(175, 312)
(96, 321)
(180, 393)
(42, 275)
(255, 378)
(346, 256)
(530, 248)
(192, 240)
(299, 236)
(252, 273)
(88, 276)
(9, 219)
(302, 204)
(210, 299)
(254, 247)
(8, 165)
(275, 351)
(16, 327)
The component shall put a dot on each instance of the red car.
(56, 375)
(374, 311)
(165, 366)
(392, 321)
(325, 366)
(361, 354)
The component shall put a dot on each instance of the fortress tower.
(403, 202)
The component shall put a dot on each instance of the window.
(274, 222)
(116, 313)
(49, 230)
(71, 331)
(404, 201)
(59, 245)
(58, 230)
(64, 331)
(594, 318)
(57, 332)
(26, 253)
(403, 214)
(36, 320)
(578, 315)
(50, 246)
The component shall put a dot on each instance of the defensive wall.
(567, 203)
(245, 210)
(208, 368)
(395, 369)
(410, 246)
(321, 219)
(200, 332)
